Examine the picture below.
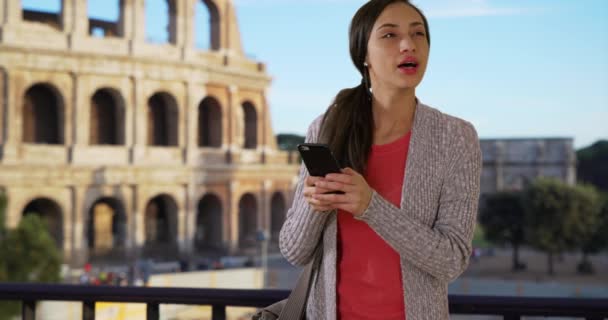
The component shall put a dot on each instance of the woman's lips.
(409, 70)
(409, 65)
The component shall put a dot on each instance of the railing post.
(218, 312)
(88, 310)
(28, 310)
(152, 311)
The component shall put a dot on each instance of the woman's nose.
(407, 45)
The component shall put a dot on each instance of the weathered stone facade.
(511, 164)
(131, 147)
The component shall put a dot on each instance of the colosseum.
(129, 148)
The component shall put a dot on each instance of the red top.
(369, 282)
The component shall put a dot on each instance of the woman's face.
(397, 50)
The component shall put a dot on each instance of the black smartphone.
(319, 160)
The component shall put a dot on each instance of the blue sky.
(514, 68)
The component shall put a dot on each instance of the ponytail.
(347, 127)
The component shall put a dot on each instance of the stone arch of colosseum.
(161, 221)
(209, 235)
(106, 228)
(43, 115)
(250, 122)
(222, 95)
(278, 209)
(210, 123)
(248, 220)
(107, 117)
(214, 23)
(172, 94)
(52, 204)
(255, 120)
(54, 86)
(211, 192)
(163, 120)
(51, 214)
(161, 216)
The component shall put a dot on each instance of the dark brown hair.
(348, 122)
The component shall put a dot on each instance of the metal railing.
(508, 307)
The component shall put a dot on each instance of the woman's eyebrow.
(393, 25)
(388, 25)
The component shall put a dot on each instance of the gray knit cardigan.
(432, 230)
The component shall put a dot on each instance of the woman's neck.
(393, 114)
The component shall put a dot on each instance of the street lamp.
(262, 236)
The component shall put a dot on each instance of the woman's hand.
(310, 189)
(357, 193)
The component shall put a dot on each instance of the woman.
(403, 228)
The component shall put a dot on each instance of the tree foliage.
(592, 165)
(559, 217)
(289, 142)
(502, 218)
(598, 239)
(29, 254)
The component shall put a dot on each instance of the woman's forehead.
(398, 14)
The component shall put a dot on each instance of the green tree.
(598, 240)
(559, 216)
(29, 254)
(502, 218)
(289, 142)
(591, 165)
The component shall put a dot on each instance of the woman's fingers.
(317, 191)
(357, 192)
(311, 181)
(311, 191)
(319, 205)
(340, 177)
(332, 198)
(334, 186)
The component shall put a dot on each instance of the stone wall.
(511, 164)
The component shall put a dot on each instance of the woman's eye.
(389, 35)
(420, 33)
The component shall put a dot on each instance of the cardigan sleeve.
(443, 249)
(303, 226)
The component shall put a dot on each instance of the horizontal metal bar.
(186, 296)
(219, 298)
(527, 306)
